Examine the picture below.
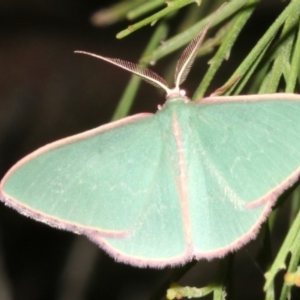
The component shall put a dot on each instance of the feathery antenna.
(189, 54)
(182, 68)
(148, 75)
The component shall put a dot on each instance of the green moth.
(195, 180)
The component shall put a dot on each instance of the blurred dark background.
(46, 93)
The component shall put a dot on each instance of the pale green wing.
(86, 179)
(244, 152)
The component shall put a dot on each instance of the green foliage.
(272, 65)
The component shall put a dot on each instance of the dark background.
(46, 93)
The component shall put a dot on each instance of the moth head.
(183, 65)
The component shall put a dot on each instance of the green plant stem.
(114, 13)
(286, 289)
(259, 78)
(279, 262)
(127, 99)
(192, 16)
(295, 65)
(183, 38)
(179, 292)
(172, 6)
(263, 43)
(281, 65)
(144, 8)
(236, 25)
